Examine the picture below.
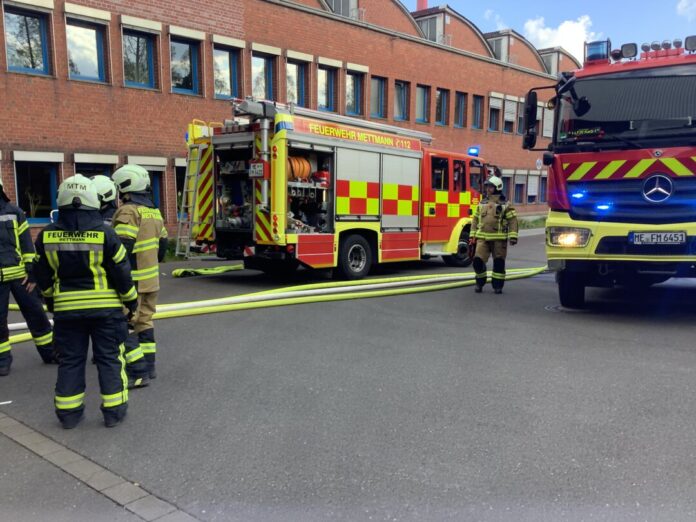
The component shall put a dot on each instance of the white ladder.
(186, 211)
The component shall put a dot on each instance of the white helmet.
(131, 178)
(78, 192)
(106, 188)
(496, 182)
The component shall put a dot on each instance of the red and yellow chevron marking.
(357, 198)
(204, 197)
(262, 225)
(399, 200)
(630, 169)
(454, 204)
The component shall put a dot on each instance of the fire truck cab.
(285, 186)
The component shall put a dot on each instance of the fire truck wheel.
(461, 258)
(354, 257)
(571, 289)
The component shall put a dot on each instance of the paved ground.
(440, 406)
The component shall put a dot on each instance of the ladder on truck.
(188, 217)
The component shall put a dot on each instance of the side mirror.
(581, 106)
(530, 121)
(547, 159)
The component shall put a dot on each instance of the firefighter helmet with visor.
(496, 182)
(106, 188)
(78, 192)
(131, 178)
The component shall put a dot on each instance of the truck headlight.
(568, 237)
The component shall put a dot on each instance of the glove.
(49, 303)
(513, 241)
(471, 250)
(132, 308)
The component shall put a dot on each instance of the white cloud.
(687, 8)
(491, 15)
(570, 34)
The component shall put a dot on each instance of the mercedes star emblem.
(658, 188)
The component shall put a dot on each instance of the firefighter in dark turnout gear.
(139, 224)
(494, 223)
(106, 191)
(84, 275)
(16, 264)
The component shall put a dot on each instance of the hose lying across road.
(316, 293)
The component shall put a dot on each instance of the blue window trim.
(460, 110)
(99, 31)
(380, 102)
(156, 188)
(425, 104)
(53, 189)
(491, 120)
(330, 74)
(233, 58)
(404, 96)
(193, 56)
(269, 77)
(357, 87)
(301, 73)
(150, 39)
(444, 107)
(46, 70)
(477, 122)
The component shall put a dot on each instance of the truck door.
(437, 180)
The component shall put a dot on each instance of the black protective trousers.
(31, 306)
(72, 336)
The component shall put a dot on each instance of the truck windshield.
(630, 109)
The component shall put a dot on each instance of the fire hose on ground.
(314, 293)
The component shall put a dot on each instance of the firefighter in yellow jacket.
(494, 223)
(139, 224)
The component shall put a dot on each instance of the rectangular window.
(377, 97)
(519, 192)
(139, 59)
(401, 100)
(94, 169)
(509, 116)
(547, 131)
(542, 189)
(295, 74)
(422, 103)
(495, 105)
(326, 81)
(520, 118)
(441, 107)
(439, 168)
(343, 7)
(459, 176)
(477, 122)
(429, 27)
(37, 189)
(225, 65)
(262, 77)
(26, 40)
(85, 51)
(184, 66)
(354, 93)
(460, 102)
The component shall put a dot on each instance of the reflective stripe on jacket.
(16, 246)
(494, 220)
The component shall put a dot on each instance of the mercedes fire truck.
(283, 186)
(621, 167)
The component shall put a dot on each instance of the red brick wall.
(521, 54)
(464, 37)
(58, 115)
(388, 14)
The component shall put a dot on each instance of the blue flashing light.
(604, 206)
(474, 150)
(578, 195)
(597, 50)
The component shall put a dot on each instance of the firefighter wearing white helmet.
(84, 275)
(106, 191)
(139, 224)
(16, 277)
(494, 224)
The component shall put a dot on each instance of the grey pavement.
(438, 406)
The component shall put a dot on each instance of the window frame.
(301, 81)
(381, 96)
(269, 62)
(330, 88)
(520, 118)
(461, 100)
(53, 188)
(442, 99)
(233, 57)
(357, 92)
(426, 104)
(101, 32)
(478, 108)
(44, 21)
(406, 98)
(194, 58)
(491, 119)
(444, 180)
(151, 39)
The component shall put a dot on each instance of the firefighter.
(16, 263)
(494, 223)
(84, 275)
(106, 190)
(139, 224)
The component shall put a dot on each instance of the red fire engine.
(283, 186)
(622, 167)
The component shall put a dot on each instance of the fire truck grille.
(620, 245)
(622, 201)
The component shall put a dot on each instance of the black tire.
(571, 289)
(354, 258)
(461, 258)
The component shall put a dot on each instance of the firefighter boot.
(114, 416)
(146, 339)
(150, 360)
(480, 270)
(498, 279)
(5, 364)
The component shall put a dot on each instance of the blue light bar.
(578, 195)
(597, 50)
(603, 206)
(474, 150)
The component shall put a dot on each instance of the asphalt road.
(437, 406)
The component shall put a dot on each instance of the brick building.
(87, 86)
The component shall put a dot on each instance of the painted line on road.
(126, 494)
